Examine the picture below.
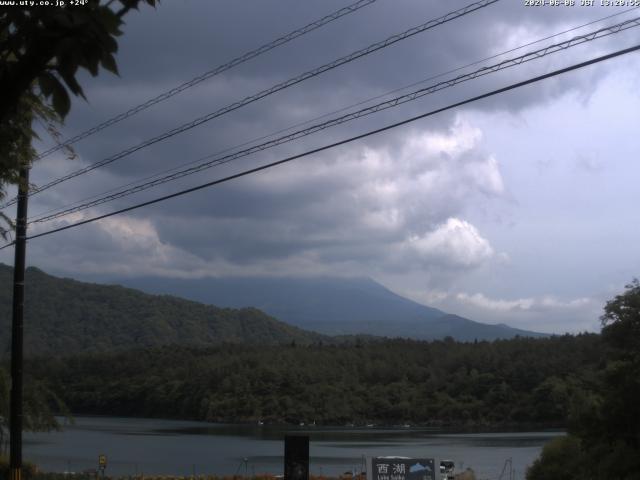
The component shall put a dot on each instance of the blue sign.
(393, 468)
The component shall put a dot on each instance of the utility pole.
(15, 448)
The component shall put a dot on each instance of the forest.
(588, 384)
(63, 315)
(444, 383)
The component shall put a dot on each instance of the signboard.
(102, 461)
(400, 468)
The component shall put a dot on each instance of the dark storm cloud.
(153, 58)
(378, 199)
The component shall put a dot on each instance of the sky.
(520, 208)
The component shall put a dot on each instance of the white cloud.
(538, 304)
(544, 313)
(455, 243)
(423, 204)
(120, 246)
(398, 208)
(367, 209)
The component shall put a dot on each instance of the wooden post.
(17, 340)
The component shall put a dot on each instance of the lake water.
(150, 446)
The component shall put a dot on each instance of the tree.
(621, 323)
(41, 50)
(605, 422)
(16, 136)
(616, 435)
(562, 458)
(41, 405)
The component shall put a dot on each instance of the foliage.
(264, 369)
(41, 50)
(16, 151)
(29, 471)
(64, 316)
(612, 435)
(439, 383)
(45, 47)
(40, 407)
(605, 419)
(621, 324)
(562, 457)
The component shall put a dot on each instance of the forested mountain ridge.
(64, 316)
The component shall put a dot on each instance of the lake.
(151, 446)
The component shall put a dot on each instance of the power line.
(409, 97)
(281, 86)
(40, 216)
(373, 109)
(343, 142)
(211, 73)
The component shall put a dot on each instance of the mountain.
(67, 316)
(330, 305)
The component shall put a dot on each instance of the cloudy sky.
(520, 208)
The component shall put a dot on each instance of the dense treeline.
(64, 315)
(509, 382)
(604, 424)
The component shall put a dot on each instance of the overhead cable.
(341, 142)
(306, 122)
(276, 88)
(211, 73)
(394, 102)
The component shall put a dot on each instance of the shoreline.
(179, 448)
(436, 428)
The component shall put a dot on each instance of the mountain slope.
(67, 316)
(332, 306)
